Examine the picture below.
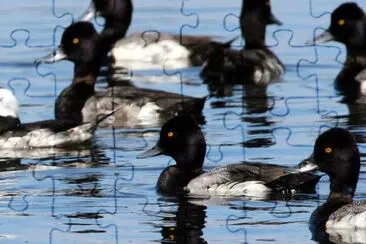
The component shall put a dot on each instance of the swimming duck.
(336, 154)
(79, 102)
(255, 63)
(48, 133)
(348, 26)
(156, 49)
(181, 138)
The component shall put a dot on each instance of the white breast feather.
(129, 114)
(149, 113)
(363, 87)
(8, 103)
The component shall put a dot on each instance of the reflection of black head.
(190, 220)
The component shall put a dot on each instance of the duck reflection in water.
(189, 222)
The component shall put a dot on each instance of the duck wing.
(248, 178)
(138, 105)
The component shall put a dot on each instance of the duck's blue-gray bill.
(55, 56)
(151, 152)
(326, 36)
(308, 165)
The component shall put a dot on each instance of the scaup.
(79, 102)
(181, 138)
(158, 49)
(336, 153)
(47, 133)
(255, 63)
(348, 26)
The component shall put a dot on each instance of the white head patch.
(8, 103)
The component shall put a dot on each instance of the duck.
(150, 49)
(182, 139)
(39, 134)
(80, 102)
(255, 63)
(336, 154)
(348, 26)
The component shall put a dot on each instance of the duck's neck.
(253, 27)
(118, 22)
(343, 188)
(356, 56)
(86, 72)
(343, 184)
(70, 102)
(193, 158)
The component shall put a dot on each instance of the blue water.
(102, 194)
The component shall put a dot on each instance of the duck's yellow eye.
(328, 150)
(341, 22)
(170, 134)
(75, 40)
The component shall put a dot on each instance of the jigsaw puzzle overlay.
(100, 192)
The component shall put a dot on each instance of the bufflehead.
(255, 63)
(79, 102)
(182, 139)
(48, 133)
(148, 49)
(336, 154)
(348, 26)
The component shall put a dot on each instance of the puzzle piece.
(106, 195)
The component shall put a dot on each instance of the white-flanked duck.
(147, 49)
(79, 102)
(181, 138)
(40, 134)
(348, 26)
(336, 154)
(255, 62)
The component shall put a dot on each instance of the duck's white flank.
(47, 138)
(350, 221)
(218, 182)
(8, 104)
(137, 55)
(128, 114)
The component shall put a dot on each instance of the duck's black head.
(82, 45)
(180, 138)
(255, 16)
(336, 154)
(79, 42)
(117, 15)
(347, 26)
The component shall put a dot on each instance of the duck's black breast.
(70, 102)
(321, 215)
(8, 123)
(173, 179)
